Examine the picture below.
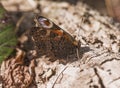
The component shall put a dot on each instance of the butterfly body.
(51, 40)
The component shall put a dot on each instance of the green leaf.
(8, 38)
(2, 11)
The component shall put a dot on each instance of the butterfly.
(51, 40)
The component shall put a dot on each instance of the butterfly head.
(43, 22)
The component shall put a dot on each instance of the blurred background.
(105, 7)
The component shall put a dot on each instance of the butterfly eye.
(45, 23)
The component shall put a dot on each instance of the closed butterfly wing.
(51, 40)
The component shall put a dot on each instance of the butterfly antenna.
(79, 44)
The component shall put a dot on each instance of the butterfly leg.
(78, 50)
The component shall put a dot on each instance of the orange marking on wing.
(59, 32)
(67, 37)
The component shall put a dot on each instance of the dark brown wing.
(53, 41)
